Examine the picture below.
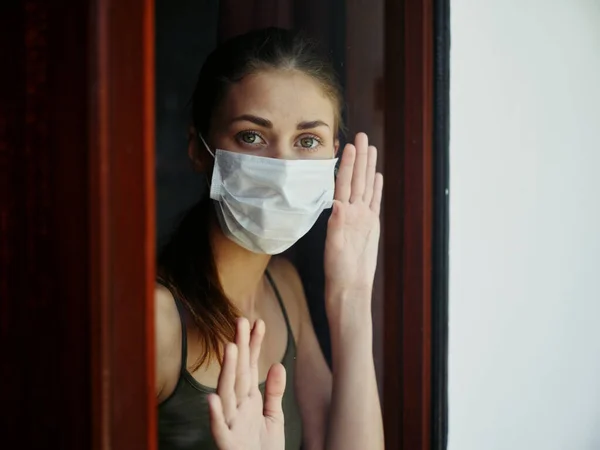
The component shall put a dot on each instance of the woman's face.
(277, 114)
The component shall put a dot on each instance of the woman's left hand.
(239, 418)
(353, 230)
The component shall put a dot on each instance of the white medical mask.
(266, 204)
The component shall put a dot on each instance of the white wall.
(524, 356)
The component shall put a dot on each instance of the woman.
(266, 115)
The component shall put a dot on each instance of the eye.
(250, 138)
(309, 142)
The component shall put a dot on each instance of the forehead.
(282, 96)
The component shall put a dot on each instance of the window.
(83, 163)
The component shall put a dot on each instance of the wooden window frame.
(416, 224)
(122, 219)
(77, 224)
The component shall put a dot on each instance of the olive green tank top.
(183, 418)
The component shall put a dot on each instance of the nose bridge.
(281, 149)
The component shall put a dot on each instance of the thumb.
(275, 387)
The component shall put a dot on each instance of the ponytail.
(186, 266)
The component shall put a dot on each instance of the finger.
(256, 339)
(343, 182)
(243, 376)
(274, 391)
(226, 385)
(370, 175)
(377, 193)
(360, 167)
(218, 425)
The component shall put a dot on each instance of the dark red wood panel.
(122, 221)
(76, 224)
(408, 223)
(44, 282)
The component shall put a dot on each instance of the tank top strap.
(280, 300)
(181, 311)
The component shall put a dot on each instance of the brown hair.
(186, 263)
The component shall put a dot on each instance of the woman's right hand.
(239, 420)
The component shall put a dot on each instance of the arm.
(355, 420)
(167, 341)
(351, 247)
(339, 410)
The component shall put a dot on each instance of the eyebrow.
(265, 123)
(311, 124)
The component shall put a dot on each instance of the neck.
(241, 272)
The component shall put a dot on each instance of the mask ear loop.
(206, 145)
(211, 154)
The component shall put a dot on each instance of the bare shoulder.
(290, 287)
(168, 341)
(168, 324)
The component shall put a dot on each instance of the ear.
(195, 147)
